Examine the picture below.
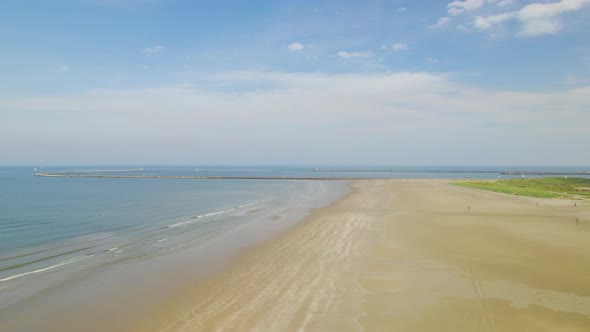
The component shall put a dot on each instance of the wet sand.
(405, 255)
(393, 255)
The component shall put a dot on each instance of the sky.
(396, 82)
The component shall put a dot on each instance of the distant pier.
(544, 173)
(108, 174)
(183, 177)
(317, 170)
(86, 171)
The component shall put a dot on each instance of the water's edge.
(117, 295)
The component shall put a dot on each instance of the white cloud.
(505, 3)
(154, 49)
(547, 10)
(534, 28)
(399, 47)
(350, 55)
(543, 18)
(344, 116)
(458, 7)
(63, 68)
(442, 22)
(536, 19)
(296, 46)
(483, 23)
(401, 9)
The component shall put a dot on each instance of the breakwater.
(544, 173)
(316, 174)
(183, 177)
(448, 171)
(87, 171)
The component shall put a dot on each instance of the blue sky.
(331, 82)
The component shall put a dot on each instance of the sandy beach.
(405, 255)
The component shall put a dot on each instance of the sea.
(57, 229)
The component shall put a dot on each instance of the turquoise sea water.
(56, 225)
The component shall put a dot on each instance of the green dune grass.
(552, 187)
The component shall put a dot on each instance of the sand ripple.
(406, 256)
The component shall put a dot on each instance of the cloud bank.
(400, 118)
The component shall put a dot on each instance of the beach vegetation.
(548, 187)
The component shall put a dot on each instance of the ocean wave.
(136, 245)
(43, 259)
(220, 212)
(54, 266)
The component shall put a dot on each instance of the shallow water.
(52, 226)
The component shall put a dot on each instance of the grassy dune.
(553, 187)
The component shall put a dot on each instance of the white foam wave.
(66, 262)
(181, 223)
(211, 214)
(214, 213)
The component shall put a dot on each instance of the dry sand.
(405, 255)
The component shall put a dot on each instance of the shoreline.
(389, 254)
(404, 254)
(121, 294)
